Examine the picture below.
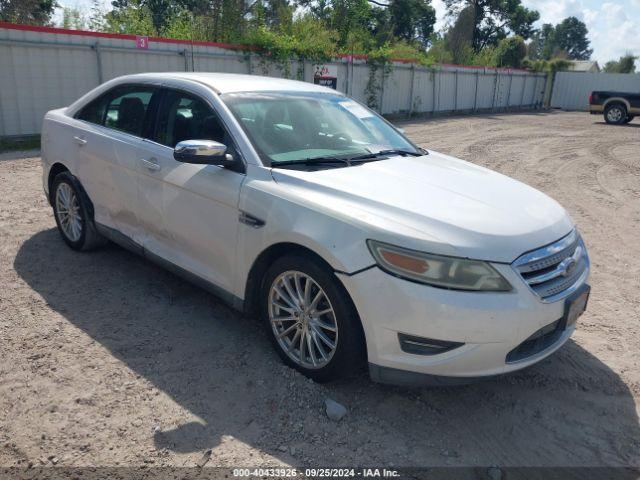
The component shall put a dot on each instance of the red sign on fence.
(142, 42)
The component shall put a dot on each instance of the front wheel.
(310, 318)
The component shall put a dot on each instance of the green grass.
(11, 144)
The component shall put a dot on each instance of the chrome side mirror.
(202, 152)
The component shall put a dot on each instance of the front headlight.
(438, 270)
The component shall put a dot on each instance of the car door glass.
(126, 110)
(186, 117)
(95, 110)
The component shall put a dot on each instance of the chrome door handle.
(80, 141)
(151, 164)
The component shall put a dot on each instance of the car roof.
(234, 82)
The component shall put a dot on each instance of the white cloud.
(441, 13)
(613, 32)
(612, 26)
(554, 11)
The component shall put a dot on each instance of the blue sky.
(614, 26)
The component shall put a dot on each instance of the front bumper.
(490, 324)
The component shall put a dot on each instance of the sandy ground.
(105, 359)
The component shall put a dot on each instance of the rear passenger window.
(123, 108)
(127, 110)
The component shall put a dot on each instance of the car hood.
(436, 203)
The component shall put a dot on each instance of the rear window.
(124, 108)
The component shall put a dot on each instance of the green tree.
(279, 14)
(542, 45)
(232, 27)
(160, 12)
(458, 40)
(375, 22)
(438, 51)
(571, 37)
(349, 16)
(510, 52)
(625, 64)
(73, 19)
(412, 20)
(29, 12)
(284, 28)
(130, 18)
(493, 20)
(97, 18)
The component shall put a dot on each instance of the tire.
(615, 114)
(77, 229)
(348, 354)
(629, 118)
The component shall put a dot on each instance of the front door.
(189, 213)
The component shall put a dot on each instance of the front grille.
(554, 271)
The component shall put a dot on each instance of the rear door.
(189, 213)
(108, 147)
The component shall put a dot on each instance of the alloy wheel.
(615, 114)
(303, 319)
(68, 212)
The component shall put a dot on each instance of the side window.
(186, 117)
(123, 108)
(127, 109)
(94, 111)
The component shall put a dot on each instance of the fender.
(618, 100)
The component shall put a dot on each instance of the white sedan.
(299, 204)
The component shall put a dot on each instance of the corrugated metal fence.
(571, 89)
(43, 68)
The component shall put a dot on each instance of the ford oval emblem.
(567, 266)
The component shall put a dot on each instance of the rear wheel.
(629, 118)
(72, 212)
(310, 318)
(615, 114)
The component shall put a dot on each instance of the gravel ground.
(105, 359)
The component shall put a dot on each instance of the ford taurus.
(297, 203)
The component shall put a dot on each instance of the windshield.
(286, 127)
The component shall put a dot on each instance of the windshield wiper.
(385, 153)
(349, 161)
(313, 161)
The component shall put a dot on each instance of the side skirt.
(128, 244)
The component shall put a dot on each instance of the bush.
(510, 52)
(553, 65)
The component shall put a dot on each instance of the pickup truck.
(618, 107)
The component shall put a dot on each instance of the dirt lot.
(106, 359)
